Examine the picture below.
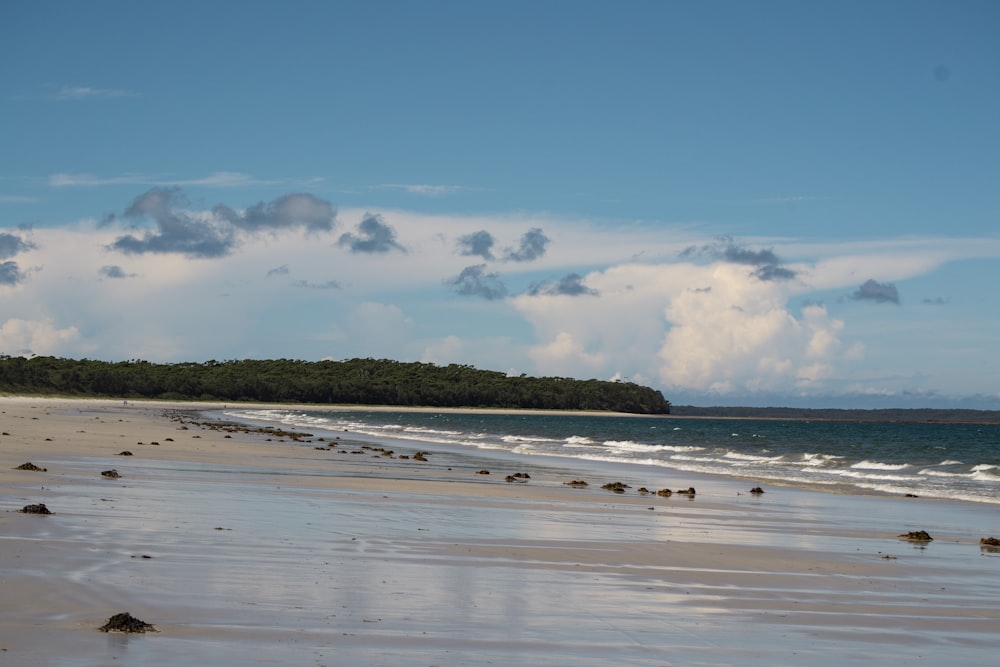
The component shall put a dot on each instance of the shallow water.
(305, 572)
(956, 461)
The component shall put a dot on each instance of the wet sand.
(243, 551)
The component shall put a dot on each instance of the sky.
(738, 203)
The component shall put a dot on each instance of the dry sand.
(244, 550)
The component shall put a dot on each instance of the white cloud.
(219, 179)
(41, 337)
(88, 92)
(423, 189)
(706, 328)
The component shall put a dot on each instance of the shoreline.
(811, 414)
(288, 553)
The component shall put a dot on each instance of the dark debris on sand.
(40, 508)
(126, 622)
(917, 536)
(31, 466)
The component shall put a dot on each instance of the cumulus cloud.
(568, 285)
(12, 244)
(533, 246)
(10, 273)
(478, 243)
(475, 281)
(700, 327)
(215, 233)
(24, 337)
(178, 231)
(872, 290)
(373, 236)
(114, 271)
(727, 250)
(744, 338)
(289, 211)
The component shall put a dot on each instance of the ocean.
(933, 460)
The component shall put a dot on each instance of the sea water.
(935, 460)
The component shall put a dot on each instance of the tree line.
(351, 382)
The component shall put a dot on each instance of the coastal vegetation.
(351, 382)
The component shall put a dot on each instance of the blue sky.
(769, 203)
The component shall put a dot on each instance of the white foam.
(878, 465)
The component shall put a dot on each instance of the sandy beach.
(244, 548)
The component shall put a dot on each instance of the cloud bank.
(273, 279)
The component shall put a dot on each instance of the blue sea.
(933, 460)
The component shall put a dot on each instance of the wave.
(631, 446)
(810, 457)
(877, 465)
(527, 438)
(739, 456)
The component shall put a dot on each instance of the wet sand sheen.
(242, 551)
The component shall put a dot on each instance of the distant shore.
(889, 415)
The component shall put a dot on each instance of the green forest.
(348, 382)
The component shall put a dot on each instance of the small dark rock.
(31, 466)
(483, 472)
(126, 622)
(756, 490)
(110, 474)
(666, 493)
(125, 453)
(522, 475)
(40, 508)
(643, 490)
(917, 536)
(577, 483)
(989, 543)
(616, 487)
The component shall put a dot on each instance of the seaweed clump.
(126, 622)
(40, 508)
(917, 536)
